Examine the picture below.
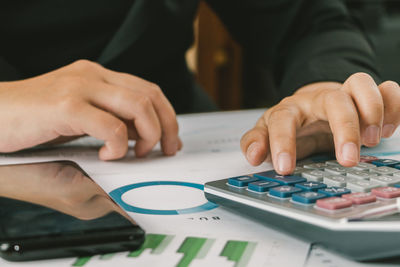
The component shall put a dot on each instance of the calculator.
(352, 210)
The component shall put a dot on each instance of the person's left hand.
(323, 116)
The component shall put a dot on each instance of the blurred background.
(234, 82)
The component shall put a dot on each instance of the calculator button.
(396, 174)
(334, 191)
(360, 198)
(262, 186)
(384, 170)
(335, 180)
(307, 197)
(368, 159)
(386, 192)
(363, 166)
(310, 186)
(333, 163)
(386, 180)
(362, 175)
(241, 181)
(385, 162)
(335, 170)
(315, 166)
(313, 175)
(283, 191)
(357, 185)
(334, 203)
(282, 179)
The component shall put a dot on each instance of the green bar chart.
(155, 242)
(238, 252)
(81, 261)
(190, 249)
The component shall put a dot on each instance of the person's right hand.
(85, 98)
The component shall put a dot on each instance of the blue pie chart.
(117, 194)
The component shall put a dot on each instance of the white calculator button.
(357, 185)
(335, 180)
(362, 175)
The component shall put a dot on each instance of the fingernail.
(371, 135)
(350, 152)
(252, 151)
(284, 162)
(387, 130)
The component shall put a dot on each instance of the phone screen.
(52, 205)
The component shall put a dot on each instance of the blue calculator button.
(241, 181)
(283, 191)
(334, 191)
(385, 162)
(307, 197)
(262, 186)
(282, 179)
(311, 186)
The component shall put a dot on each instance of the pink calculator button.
(386, 192)
(368, 159)
(360, 198)
(333, 203)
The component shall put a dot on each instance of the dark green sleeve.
(7, 72)
(302, 41)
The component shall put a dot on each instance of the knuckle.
(389, 85)
(259, 133)
(359, 76)
(351, 125)
(121, 130)
(144, 103)
(283, 111)
(85, 65)
(154, 91)
(287, 101)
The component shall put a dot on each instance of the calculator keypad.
(328, 185)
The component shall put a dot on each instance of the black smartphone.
(54, 210)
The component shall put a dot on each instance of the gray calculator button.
(335, 180)
(396, 174)
(336, 170)
(386, 180)
(384, 170)
(315, 166)
(333, 163)
(357, 185)
(364, 166)
(313, 175)
(363, 175)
